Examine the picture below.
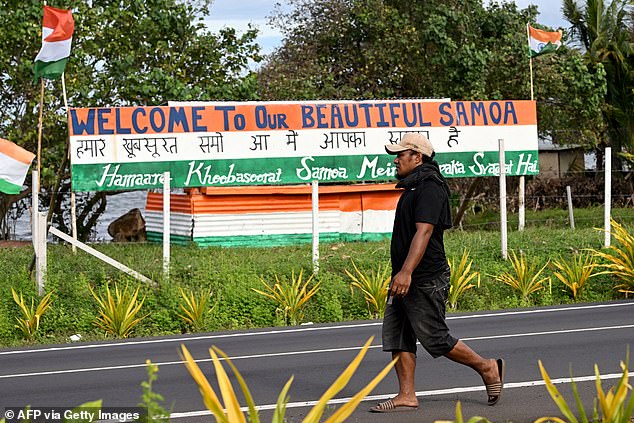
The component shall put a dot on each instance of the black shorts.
(419, 315)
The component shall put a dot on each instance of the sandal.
(389, 407)
(494, 390)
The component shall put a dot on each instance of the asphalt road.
(564, 338)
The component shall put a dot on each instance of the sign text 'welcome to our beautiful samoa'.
(257, 143)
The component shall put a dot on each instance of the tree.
(603, 31)
(456, 49)
(125, 52)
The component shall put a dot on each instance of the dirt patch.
(14, 244)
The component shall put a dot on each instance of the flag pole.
(73, 208)
(39, 128)
(522, 183)
(530, 59)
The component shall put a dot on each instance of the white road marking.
(304, 329)
(288, 353)
(431, 393)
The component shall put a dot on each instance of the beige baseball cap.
(412, 141)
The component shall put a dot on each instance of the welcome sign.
(265, 143)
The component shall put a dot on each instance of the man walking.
(420, 277)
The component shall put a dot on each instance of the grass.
(231, 273)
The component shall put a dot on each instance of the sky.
(239, 13)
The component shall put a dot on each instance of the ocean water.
(117, 205)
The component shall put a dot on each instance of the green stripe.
(49, 70)
(266, 240)
(286, 170)
(9, 188)
(548, 48)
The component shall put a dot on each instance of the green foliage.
(614, 406)
(460, 280)
(603, 29)
(374, 287)
(620, 258)
(223, 271)
(195, 308)
(150, 400)
(230, 411)
(575, 273)
(525, 278)
(29, 323)
(470, 50)
(291, 297)
(124, 53)
(118, 314)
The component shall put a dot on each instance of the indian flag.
(542, 42)
(14, 165)
(57, 35)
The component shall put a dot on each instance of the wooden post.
(40, 252)
(571, 215)
(166, 225)
(608, 195)
(73, 207)
(39, 131)
(503, 223)
(315, 198)
(101, 256)
(521, 212)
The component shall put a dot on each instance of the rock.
(129, 227)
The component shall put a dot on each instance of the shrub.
(374, 287)
(574, 274)
(620, 258)
(614, 406)
(29, 323)
(461, 276)
(195, 308)
(230, 411)
(291, 297)
(118, 313)
(525, 278)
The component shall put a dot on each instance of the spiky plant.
(524, 278)
(574, 274)
(29, 323)
(291, 297)
(460, 280)
(118, 313)
(373, 286)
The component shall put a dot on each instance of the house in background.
(557, 161)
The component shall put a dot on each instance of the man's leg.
(486, 368)
(405, 371)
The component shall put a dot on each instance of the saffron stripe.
(544, 36)
(61, 21)
(16, 152)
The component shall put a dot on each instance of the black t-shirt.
(426, 203)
